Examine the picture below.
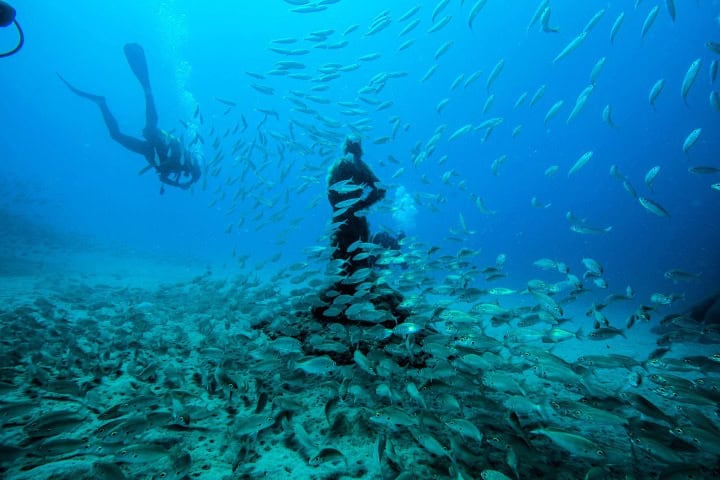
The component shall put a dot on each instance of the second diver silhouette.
(175, 163)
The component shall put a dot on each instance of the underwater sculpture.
(352, 188)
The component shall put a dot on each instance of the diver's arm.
(186, 183)
(191, 169)
(176, 182)
(165, 178)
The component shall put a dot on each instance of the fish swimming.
(649, 21)
(681, 275)
(475, 11)
(655, 91)
(653, 207)
(580, 163)
(690, 77)
(571, 47)
(691, 140)
(616, 26)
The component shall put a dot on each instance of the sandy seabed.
(117, 366)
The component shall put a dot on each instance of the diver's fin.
(77, 91)
(136, 59)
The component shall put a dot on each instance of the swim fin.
(136, 59)
(77, 91)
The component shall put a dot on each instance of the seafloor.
(126, 365)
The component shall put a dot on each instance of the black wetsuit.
(174, 164)
(388, 242)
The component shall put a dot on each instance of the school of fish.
(234, 379)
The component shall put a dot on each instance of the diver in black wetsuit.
(389, 242)
(174, 163)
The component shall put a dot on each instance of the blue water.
(59, 166)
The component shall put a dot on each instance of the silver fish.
(680, 275)
(689, 78)
(616, 26)
(649, 21)
(323, 365)
(653, 207)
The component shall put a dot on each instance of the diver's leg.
(131, 143)
(151, 116)
(80, 93)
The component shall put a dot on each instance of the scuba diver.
(387, 241)
(174, 163)
(7, 18)
(352, 188)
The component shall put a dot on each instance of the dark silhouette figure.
(174, 163)
(389, 242)
(352, 187)
(707, 311)
(355, 172)
(705, 314)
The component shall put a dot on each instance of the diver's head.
(353, 146)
